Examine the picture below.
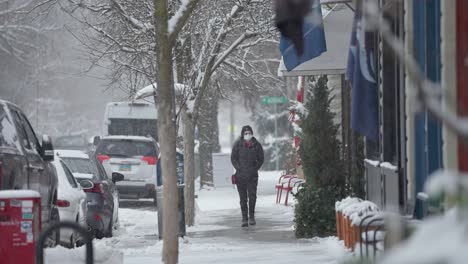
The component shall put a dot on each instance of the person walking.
(247, 158)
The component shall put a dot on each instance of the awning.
(338, 26)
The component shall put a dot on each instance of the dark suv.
(24, 162)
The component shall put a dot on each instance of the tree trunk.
(209, 136)
(167, 134)
(189, 170)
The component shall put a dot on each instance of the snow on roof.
(19, 194)
(150, 90)
(71, 154)
(130, 110)
(135, 138)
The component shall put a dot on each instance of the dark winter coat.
(247, 160)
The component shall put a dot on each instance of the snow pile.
(356, 209)
(340, 205)
(438, 240)
(374, 163)
(388, 165)
(334, 247)
(102, 255)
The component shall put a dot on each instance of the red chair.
(284, 184)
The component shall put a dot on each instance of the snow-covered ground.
(217, 236)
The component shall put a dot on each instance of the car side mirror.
(86, 184)
(47, 148)
(117, 177)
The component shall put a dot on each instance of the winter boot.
(245, 223)
(252, 221)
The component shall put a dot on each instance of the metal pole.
(276, 137)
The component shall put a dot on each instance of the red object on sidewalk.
(285, 183)
(462, 76)
(20, 226)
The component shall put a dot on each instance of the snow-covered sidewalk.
(217, 236)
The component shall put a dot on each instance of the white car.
(71, 202)
(135, 157)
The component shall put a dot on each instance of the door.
(39, 179)
(111, 198)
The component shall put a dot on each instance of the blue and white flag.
(362, 75)
(314, 40)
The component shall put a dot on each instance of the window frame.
(69, 174)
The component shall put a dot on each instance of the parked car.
(71, 202)
(102, 195)
(135, 157)
(25, 162)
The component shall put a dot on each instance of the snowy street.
(217, 237)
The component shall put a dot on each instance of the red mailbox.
(20, 226)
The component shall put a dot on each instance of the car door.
(77, 196)
(39, 179)
(111, 190)
(108, 188)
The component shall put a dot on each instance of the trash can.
(160, 195)
(20, 225)
(160, 199)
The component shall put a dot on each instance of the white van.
(137, 118)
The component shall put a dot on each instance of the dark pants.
(248, 195)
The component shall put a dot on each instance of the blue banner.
(314, 40)
(361, 73)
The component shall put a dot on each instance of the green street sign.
(269, 100)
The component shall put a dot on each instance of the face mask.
(248, 137)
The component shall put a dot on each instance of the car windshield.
(8, 137)
(126, 148)
(83, 166)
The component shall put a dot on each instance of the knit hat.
(246, 128)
